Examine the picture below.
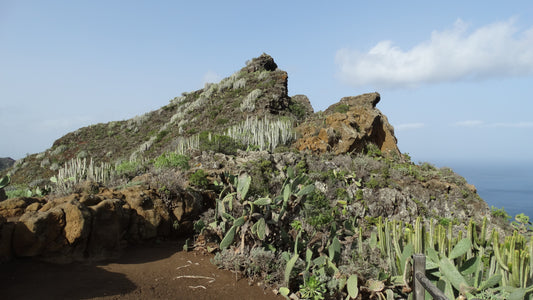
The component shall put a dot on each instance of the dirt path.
(145, 272)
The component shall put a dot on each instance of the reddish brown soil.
(144, 272)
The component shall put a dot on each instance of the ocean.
(507, 185)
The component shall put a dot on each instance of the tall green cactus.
(466, 264)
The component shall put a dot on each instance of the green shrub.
(219, 143)
(301, 167)
(359, 195)
(318, 213)
(222, 121)
(444, 221)
(373, 150)
(298, 110)
(282, 149)
(341, 194)
(261, 172)
(129, 169)
(372, 183)
(313, 288)
(21, 192)
(342, 108)
(199, 179)
(499, 213)
(160, 135)
(172, 160)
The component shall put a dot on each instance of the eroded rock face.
(275, 99)
(38, 233)
(348, 126)
(91, 226)
(15, 207)
(110, 220)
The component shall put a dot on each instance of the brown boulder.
(37, 233)
(110, 219)
(188, 206)
(348, 126)
(152, 217)
(15, 207)
(93, 226)
(78, 225)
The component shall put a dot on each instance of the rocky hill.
(257, 92)
(238, 156)
(6, 162)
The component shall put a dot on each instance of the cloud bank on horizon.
(491, 51)
(479, 123)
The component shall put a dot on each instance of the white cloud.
(408, 126)
(211, 77)
(513, 125)
(478, 123)
(494, 50)
(469, 123)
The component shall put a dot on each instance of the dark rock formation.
(263, 62)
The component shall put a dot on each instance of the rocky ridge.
(349, 153)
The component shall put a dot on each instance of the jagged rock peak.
(368, 101)
(263, 62)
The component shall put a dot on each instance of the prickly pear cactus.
(3, 183)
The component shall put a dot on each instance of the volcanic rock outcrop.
(92, 226)
(348, 126)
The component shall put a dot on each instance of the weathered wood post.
(419, 266)
(421, 282)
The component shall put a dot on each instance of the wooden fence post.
(419, 266)
(421, 283)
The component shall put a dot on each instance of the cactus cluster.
(466, 264)
(258, 215)
(78, 170)
(263, 134)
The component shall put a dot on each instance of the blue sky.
(455, 77)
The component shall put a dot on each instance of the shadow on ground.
(33, 279)
(157, 271)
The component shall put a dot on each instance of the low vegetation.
(324, 253)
